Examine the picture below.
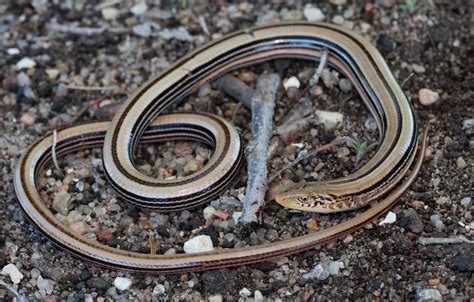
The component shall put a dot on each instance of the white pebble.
(389, 218)
(45, 284)
(159, 289)
(319, 272)
(139, 8)
(13, 51)
(427, 96)
(236, 216)
(25, 63)
(208, 212)
(201, 243)
(468, 124)
(216, 298)
(110, 13)
(52, 73)
(334, 267)
(12, 271)
(313, 14)
(370, 123)
(142, 30)
(329, 119)
(122, 283)
(244, 293)
(258, 297)
(292, 82)
(338, 19)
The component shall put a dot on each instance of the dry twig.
(263, 106)
(305, 155)
(235, 88)
(452, 240)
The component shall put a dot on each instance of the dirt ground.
(75, 61)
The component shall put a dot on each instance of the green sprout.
(360, 148)
(409, 5)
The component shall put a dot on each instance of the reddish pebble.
(427, 96)
(27, 119)
(183, 149)
(434, 282)
(418, 204)
(377, 293)
(51, 298)
(435, 138)
(220, 214)
(105, 235)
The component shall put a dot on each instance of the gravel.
(139, 40)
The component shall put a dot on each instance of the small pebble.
(52, 73)
(25, 63)
(139, 8)
(208, 212)
(312, 224)
(236, 216)
(343, 152)
(427, 96)
(122, 283)
(338, 19)
(27, 119)
(460, 163)
(110, 13)
(292, 82)
(418, 68)
(442, 200)
(434, 282)
(370, 123)
(338, 2)
(244, 293)
(79, 227)
(428, 295)
(179, 33)
(142, 30)
(348, 239)
(12, 271)
(220, 214)
(313, 14)
(192, 166)
(334, 267)
(34, 273)
(329, 119)
(466, 202)
(13, 51)
(159, 289)
(45, 284)
(390, 218)
(201, 243)
(216, 298)
(258, 296)
(345, 85)
(61, 202)
(319, 272)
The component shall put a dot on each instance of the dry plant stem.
(20, 298)
(407, 79)
(337, 141)
(203, 25)
(76, 30)
(235, 88)
(452, 240)
(53, 154)
(263, 107)
(322, 64)
(91, 88)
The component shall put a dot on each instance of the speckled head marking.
(312, 201)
